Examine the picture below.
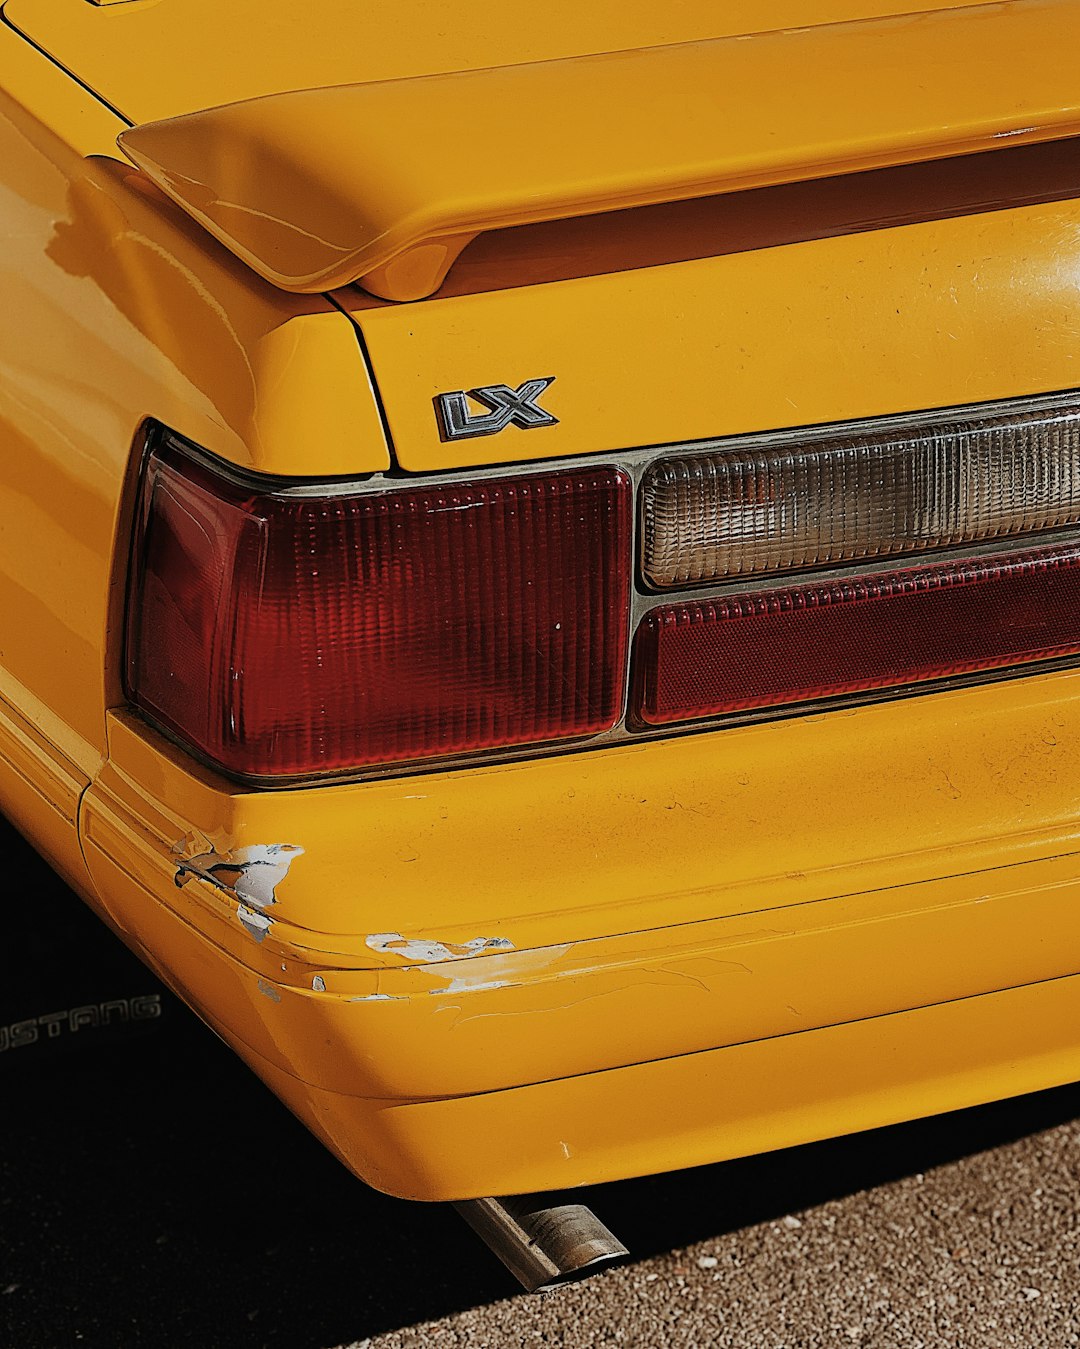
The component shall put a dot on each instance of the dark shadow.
(764, 217)
(67, 986)
(154, 1193)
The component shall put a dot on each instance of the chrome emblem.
(506, 407)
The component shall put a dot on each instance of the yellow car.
(540, 555)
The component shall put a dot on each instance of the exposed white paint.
(378, 997)
(319, 984)
(466, 985)
(258, 924)
(424, 951)
(250, 874)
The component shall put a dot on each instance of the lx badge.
(507, 407)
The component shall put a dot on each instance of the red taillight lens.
(293, 633)
(770, 647)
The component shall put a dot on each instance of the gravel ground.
(975, 1253)
(152, 1193)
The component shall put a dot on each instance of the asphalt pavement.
(153, 1193)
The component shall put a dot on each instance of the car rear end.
(668, 754)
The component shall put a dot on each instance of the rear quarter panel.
(117, 309)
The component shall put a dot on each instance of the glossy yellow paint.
(886, 320)
(115, 311)
(699, 908)
(634, 836)
(599, 963)
(366, 183)
(161, 58)
(700, 1108)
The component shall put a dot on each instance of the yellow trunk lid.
(851, 297)
(160, 58)
(933, 313)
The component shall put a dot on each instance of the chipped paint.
(379, 997)
(250, 875)
(426, 952)
(258, 924)
(269, 991)
(501, 970)
(319, 984)
(467, 985)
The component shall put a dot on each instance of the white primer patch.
(467, 985)
(319, 984)
(427, 952)
(250, 875)
(258, 924)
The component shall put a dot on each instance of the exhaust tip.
(543, 1241)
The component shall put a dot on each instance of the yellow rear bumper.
(625, 960)
(707, 1107)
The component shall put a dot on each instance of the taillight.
(832, 498)
(305, 632)
(769, 647)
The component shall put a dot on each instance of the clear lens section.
(787, 508)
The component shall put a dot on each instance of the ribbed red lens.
(770, 647)
(295, 633)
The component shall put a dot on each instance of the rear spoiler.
(384, 184)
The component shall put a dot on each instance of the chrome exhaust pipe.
(541, 1241)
